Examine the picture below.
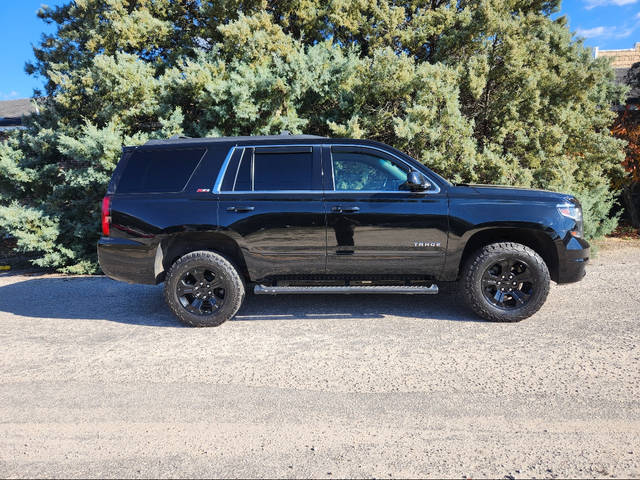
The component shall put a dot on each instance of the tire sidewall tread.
(472, 286)
(234, 288)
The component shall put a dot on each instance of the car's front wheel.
(505, 282)
(203, 289)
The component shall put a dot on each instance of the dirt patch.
(626, 231)
(98, 379)
(613, 243)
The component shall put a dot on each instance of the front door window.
(359, 171)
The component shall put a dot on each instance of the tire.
(505, 282)
(203, 289)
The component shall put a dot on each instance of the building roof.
(12, 111)
(621, 61)
(622, 58)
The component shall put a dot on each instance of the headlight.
(574, 212)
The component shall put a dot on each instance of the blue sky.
(603, 23)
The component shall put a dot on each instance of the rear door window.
(287, 170)
(274, 169)
(159, 170)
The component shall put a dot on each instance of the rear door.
(374, 226)
(270, 201)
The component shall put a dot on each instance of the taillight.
(106, 215)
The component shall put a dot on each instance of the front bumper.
(572, 260)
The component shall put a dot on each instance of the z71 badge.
(426, 244)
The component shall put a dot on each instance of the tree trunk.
(630, 205)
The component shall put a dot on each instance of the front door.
(270, 201)
(374, 226)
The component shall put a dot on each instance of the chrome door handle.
(240, 209)
(350, 209)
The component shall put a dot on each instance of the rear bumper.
(127, 260)
(572, 260)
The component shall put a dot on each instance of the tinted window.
(162, 170)
(243, 176)
(364, 171)
(282, 171)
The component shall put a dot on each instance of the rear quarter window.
(159, 170)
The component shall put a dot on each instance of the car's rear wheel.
(203, 289)
(505, 282)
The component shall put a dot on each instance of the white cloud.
(624, 33)
(605, 32)
(603, 3)
(9, 96)
(595, 32)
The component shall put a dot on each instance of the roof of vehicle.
(282, 139)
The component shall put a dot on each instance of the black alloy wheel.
(508, 283)
(200, 291)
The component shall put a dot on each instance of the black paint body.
(320, 233)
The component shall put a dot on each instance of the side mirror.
(417, 182)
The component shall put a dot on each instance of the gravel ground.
(97, 379)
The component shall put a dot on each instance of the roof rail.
(178, 140)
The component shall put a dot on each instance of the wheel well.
(178, 245)
(538, 241)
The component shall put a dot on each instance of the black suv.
(307, 214)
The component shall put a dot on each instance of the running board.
(264, 290)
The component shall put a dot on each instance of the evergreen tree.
(627, 127)
(479, 90)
